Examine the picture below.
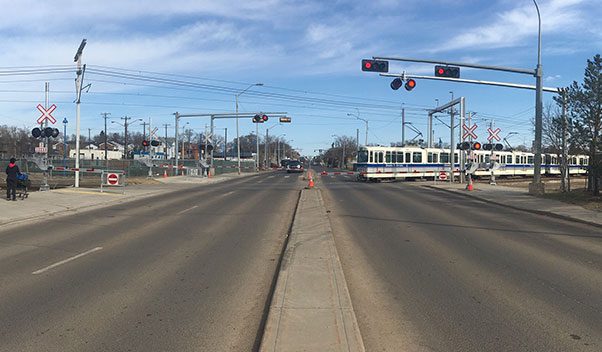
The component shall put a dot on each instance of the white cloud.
(512, 27)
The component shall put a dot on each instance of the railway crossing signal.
(396, 83)
(47, 132)
(447, 71)
(469, 146)
(145, 143)
(375, 65)
(410, 84)
(496, 146)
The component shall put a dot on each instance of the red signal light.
(440, 71)
(410, 84)
(476, 146)
(368, 65)
(264, 118)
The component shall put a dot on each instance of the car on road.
(294, 166)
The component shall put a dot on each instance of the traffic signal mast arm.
(461, 64)
(472, 81)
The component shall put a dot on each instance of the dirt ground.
(578, 195)
(60, 181)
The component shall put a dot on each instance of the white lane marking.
(271, 176)
(189, 209)
(66, 260)
(227, 194)
(287, 176)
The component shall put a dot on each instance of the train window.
(487, 158)
(362, 156)
(417, 157)
(517, 159)
(435, 158)
(408, 160)
(381, 158)
(399, 157)
(456, 158)
(530, 159)
(574, 161)
(371, 160)
(445, 157)
(503, 159)
(581, 161)
(388, 157)
(429, 157)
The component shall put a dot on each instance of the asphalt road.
(432, 271)
(187, 271)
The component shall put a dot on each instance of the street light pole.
(366, 121)
(537, 187)
(237, 132)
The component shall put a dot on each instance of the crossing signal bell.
(447, 71)
(375, 65)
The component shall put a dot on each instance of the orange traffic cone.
(311, 182)
(165, 173)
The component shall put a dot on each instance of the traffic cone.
(311, 183)
(165, 173)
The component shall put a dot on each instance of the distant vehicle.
(294, 166)
(284, 162)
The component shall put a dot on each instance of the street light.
(359, 118)
(184, 130)
(237, 133)
(537, 187)
(278, 148)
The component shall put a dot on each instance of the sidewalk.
(65, 201)
(311, 308)
(519, 198)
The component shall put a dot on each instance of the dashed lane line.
(66, 260)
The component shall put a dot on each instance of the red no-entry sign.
(113, 179)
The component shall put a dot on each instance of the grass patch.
(577, 197)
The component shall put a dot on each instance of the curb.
(533, 211)
(311, 308)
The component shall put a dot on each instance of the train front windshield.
(362, 156)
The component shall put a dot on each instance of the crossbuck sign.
(46, 114)
(469, 131)
(493, 134)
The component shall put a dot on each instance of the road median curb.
(311, 308)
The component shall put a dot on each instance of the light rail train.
(378, 163)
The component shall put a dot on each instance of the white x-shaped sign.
(46, 113)
(469, 131)
(493, 134)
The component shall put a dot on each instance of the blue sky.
(306, 53)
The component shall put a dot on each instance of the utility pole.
(165, 147)
(89, 137)
(403, 127)
(265, 151)
(225, 143)
(105, 116)
(125, 146)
